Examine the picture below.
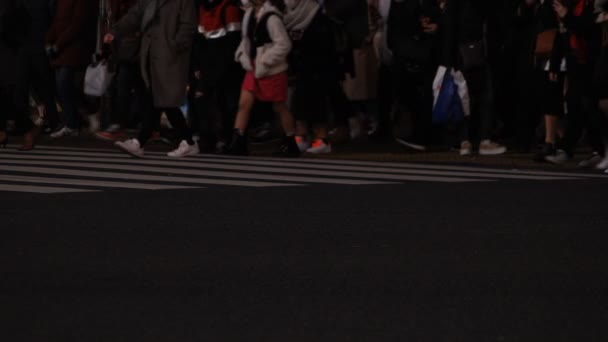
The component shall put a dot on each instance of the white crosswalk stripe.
(48, 169)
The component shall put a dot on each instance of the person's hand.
(553, 76)
(430, 28)
(108, 38)
(197, 75)
(560, 9)
(427, 25)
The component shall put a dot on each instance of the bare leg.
(287, 119)
(321, 132)
(550, 129)
(242, 117)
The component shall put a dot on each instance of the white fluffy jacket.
(272, 57)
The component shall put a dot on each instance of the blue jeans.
(66, 92)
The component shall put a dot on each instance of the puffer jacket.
(271, 56)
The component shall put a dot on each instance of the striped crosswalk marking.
(48, 169)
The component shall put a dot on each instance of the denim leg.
(67, 96)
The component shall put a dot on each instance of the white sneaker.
(319, 146)
(591, 162)
(94, 123)
(409, 144)
(489, 148)
(132, 147)
(303, 143)
(64, 132)
(559, 158)
(602, 165)
(466, 149)
(184, 150)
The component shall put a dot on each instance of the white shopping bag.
(97, 79)
(437, 83)
(463, 91)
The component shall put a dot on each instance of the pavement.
(359, 246)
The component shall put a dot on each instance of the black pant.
(7, 104)
(341, 106)
(386, 90)
(128, 89)
(214, 112)
(176, 118)
(481, 93)
(414, 92)
(34, 73)
(583, 110)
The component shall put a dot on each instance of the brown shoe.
(29, 140)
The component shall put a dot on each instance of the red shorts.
(268, 89)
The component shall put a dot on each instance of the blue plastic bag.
(448, 107)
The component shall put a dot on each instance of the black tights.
(176, 118)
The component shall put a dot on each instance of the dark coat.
(166, 46)
(405, 35)
(74, 32)
(464, 22)
(353, 15)
(7, 54)
(41, 13)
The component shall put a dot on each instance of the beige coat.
(271, 58)
(364, 86)
(165, 48)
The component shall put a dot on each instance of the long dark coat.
(165, 48)
(7, 54)
(74, 31)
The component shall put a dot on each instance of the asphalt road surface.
(97, 246)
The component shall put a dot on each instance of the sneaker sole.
(129, 152)
(410, 145)
(102, 138)
(185, 155)
(493, 153)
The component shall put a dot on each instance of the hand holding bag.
(97, 79)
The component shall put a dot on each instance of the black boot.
(288, 148)
(238, 145)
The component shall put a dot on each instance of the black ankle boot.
(238, 145)
(288, 148)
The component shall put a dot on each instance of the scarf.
(300, 14)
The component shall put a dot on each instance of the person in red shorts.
(263, 53)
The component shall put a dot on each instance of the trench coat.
(166, 46)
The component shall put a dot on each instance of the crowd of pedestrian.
(528, 74)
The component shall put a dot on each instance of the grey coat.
(165, 47)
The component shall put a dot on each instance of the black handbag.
(413, 49)
(472, 55)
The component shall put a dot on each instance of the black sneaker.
(288, 148)
(545, 151)
(238, 145)
(264, 134)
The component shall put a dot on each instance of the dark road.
(331, 252)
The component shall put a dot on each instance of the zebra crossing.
(51, 170)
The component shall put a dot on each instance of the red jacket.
(219, 18)
(74, 31)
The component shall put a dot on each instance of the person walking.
(167, 28)
(34, 72)
(70, 44)
(465, 43)
(263, 53)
